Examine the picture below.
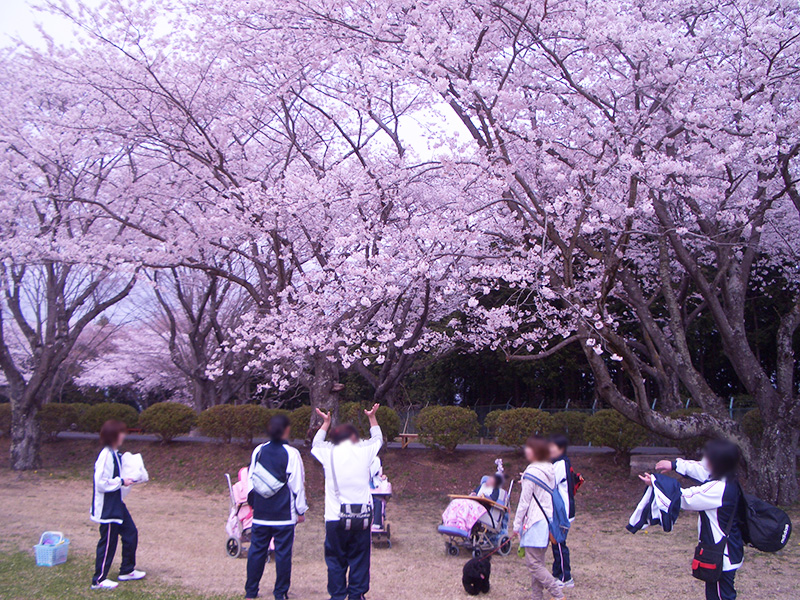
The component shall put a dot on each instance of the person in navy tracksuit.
(716, 498)
(274, 518)
(565, 483)
(109, 510)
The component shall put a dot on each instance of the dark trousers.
(723, 589)
(257, 555)
(561, 568)
(107, 547)
(347, 549)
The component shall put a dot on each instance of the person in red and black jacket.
(565, 484)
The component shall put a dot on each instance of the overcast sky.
(18, 19)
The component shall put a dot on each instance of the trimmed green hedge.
(300, 419)
(571, 424)
(388, 419)
(55, 417)
(490, 421)
(610, 428)
(753, 425)
(446, 427)
(94, 417)
(515, 426)
(218, 422)
(244, 422)
(168, 420)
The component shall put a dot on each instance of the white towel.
(133, 468)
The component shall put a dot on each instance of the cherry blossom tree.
(299, 168)
(200, 312)
(619, 169)
(61, 261)
(649, 151)
(135, 355)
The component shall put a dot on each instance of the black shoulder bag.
(351, 516)
(708, 558)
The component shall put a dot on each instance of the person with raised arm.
(346, 460)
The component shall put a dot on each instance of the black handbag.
(708, 558)
(351, 516)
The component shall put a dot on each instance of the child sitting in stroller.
(491, 487)
(479, 522)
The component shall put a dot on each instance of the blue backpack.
(559, 524)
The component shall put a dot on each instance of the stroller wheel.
(452, 549)
(477, 553)
(233, 547)
(504, 549)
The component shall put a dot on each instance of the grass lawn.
(181, 515)
(21, 579)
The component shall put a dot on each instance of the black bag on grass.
(764, 526)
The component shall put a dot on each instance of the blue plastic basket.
(52, 549)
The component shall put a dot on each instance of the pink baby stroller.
(240, 519)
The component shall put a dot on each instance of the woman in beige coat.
(530, 523)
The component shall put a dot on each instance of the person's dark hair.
(540, 447)
(110, 432)
(343, 432)
(498, 479)
(277, 427)
(722, 457)
(560, 440)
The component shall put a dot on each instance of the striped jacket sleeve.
(104, 479)
(707, 496)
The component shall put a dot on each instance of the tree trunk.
(324, 390)
(773, 472)
(204, 393)
(388, 398)
(26, 435)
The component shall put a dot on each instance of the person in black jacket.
(274, 518)
(716, 499)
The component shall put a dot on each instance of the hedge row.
(388, 419)
(445, 427)
(246, 421)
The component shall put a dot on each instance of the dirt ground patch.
(182, 534)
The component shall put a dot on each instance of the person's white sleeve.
(297, 479)
(522, 507)
(562, 481)
(375, 467)
(373, 445)
(320, 448)
(693, 469)
(703, 497)
(251, 469)
(104, 480)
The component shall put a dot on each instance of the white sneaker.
(133, 576)
(570, 583)
(106, 584)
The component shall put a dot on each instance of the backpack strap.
(541, 508)
(335, 481)
(538, 482)
(735, 513)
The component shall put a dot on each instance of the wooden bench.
(646, 463)
(407, 438)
